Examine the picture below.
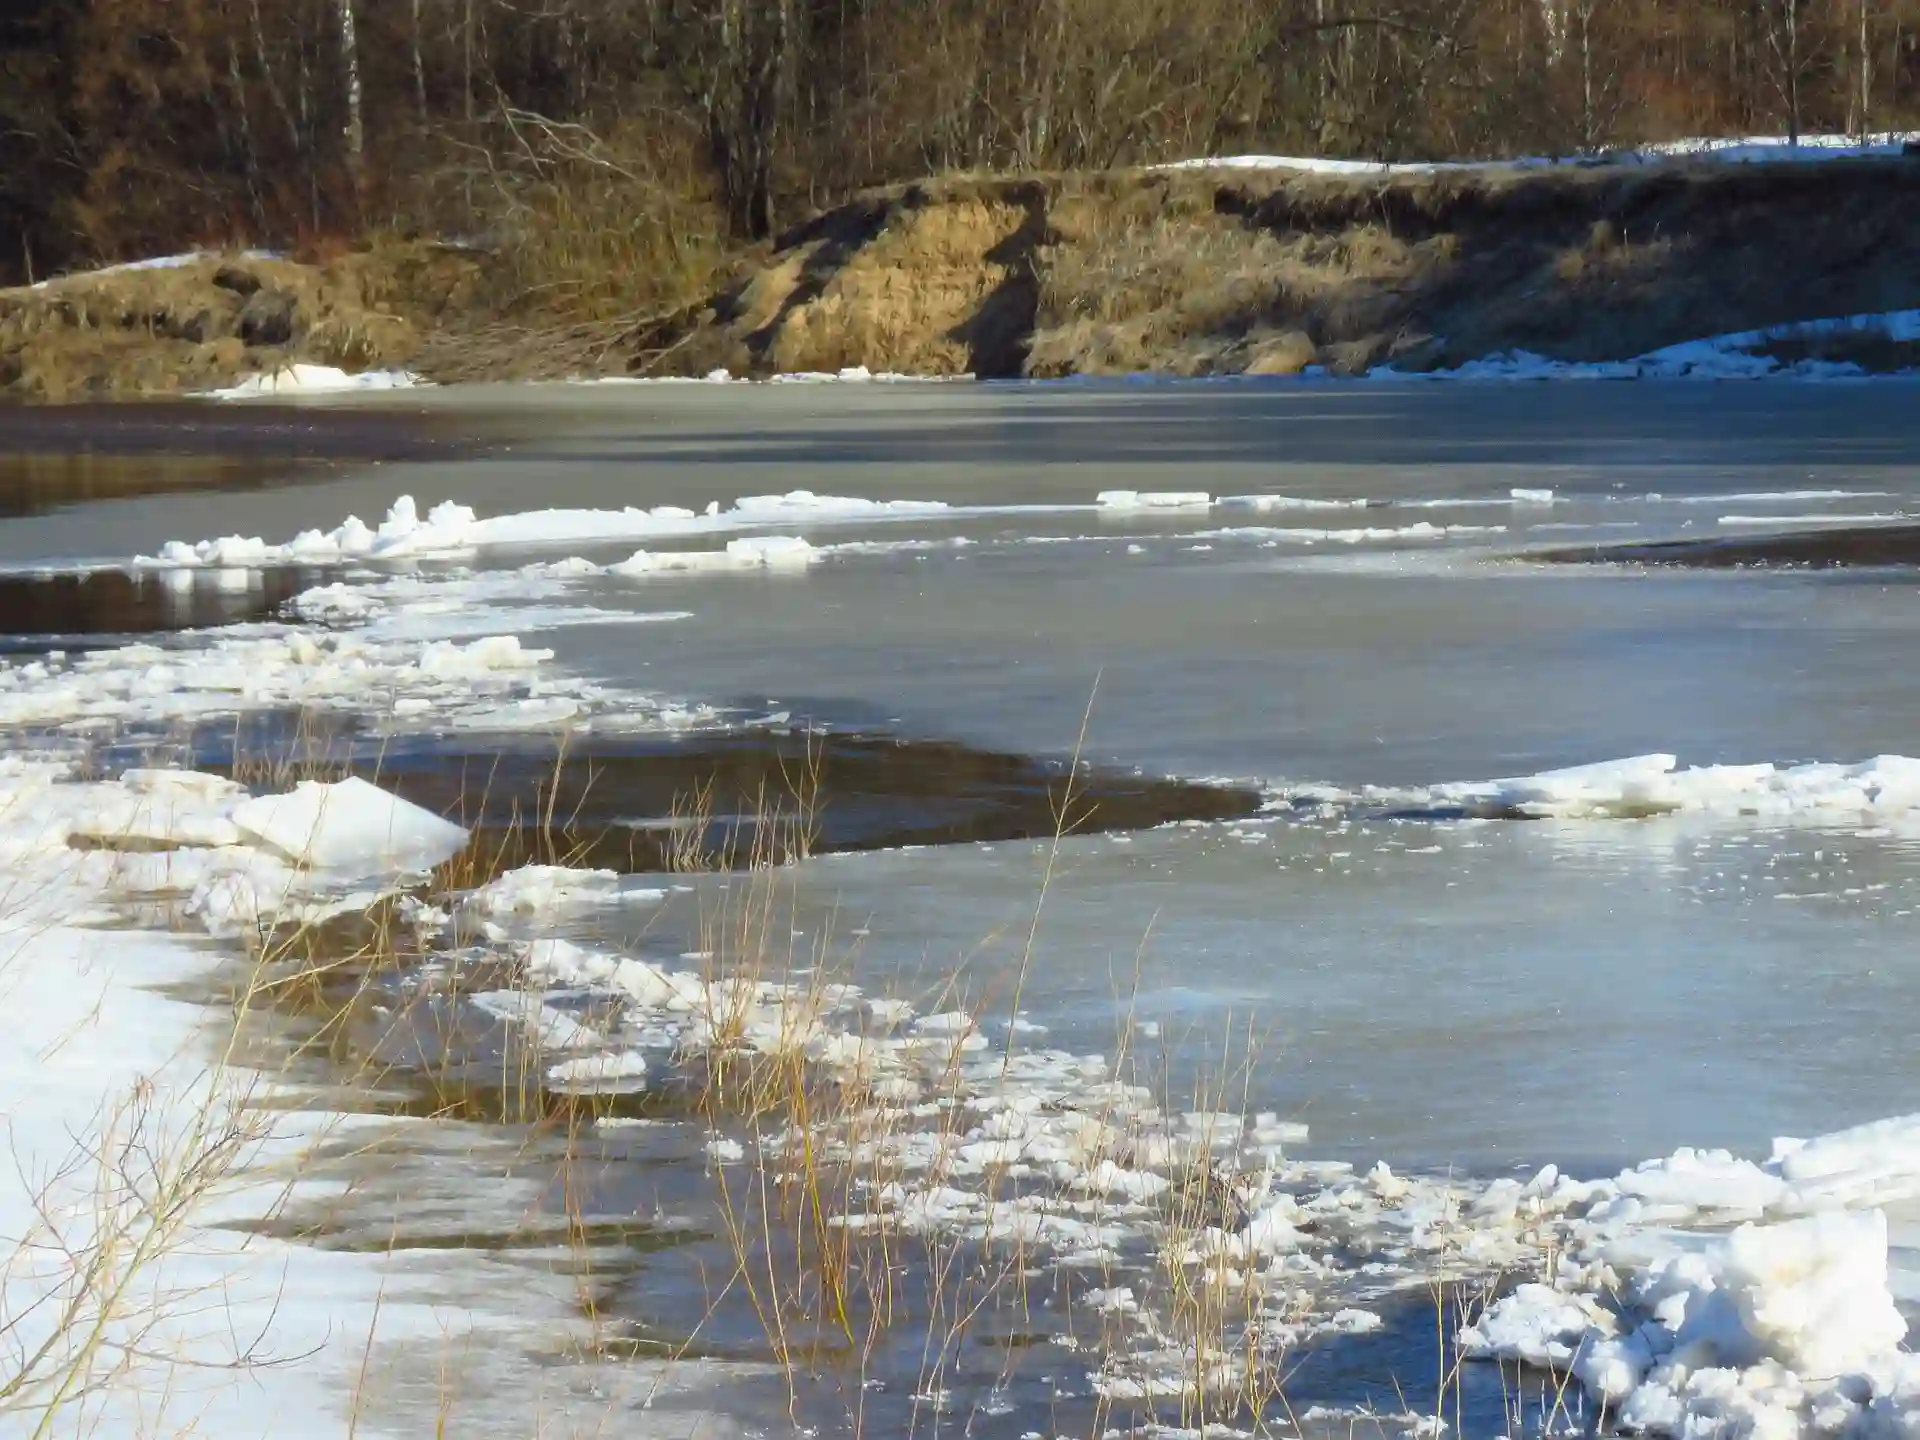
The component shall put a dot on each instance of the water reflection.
(38, 613)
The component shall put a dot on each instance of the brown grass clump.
(932, 281)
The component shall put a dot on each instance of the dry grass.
(1267, 272)
(598, 265)
(813, 1103)
(197, 326)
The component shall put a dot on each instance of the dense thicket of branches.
(129, 126)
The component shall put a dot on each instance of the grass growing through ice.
(99, 1289)
(876, 1229)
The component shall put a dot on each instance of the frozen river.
(1319, 595)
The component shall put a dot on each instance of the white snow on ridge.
(1740, 150)
(1720, 357)
(351, 824)
(157, 262)
(1818, 793)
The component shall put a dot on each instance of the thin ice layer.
(1817, 793)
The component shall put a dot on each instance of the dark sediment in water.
(647, 804)
(54, 456)
(1824, 549)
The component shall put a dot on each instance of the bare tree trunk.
(1866, 77)
(266, 74)
(1793, 73)
(1588, 139)
(306, 131)
(419, 68)
(252, 151)
(356, 131)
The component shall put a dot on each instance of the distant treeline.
(135, 126)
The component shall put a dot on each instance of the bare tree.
(1786, 46)
(743, 63)
(355, 134)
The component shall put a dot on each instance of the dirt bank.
(1267, 272)
(1187, 273)
(177, 329)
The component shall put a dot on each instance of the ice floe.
(1681, 1295)
(492, 682)
(304, 379)
(1420, 530)
(1150, 500)
(1264, 503)
(1826, 518)
(764, 552)
(452, 530)
(1816, 793)
(349, 825)
(1701, 1293)
(544, 890)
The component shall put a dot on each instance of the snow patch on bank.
(1720, 357)
(156, 262)
(1735, 150)
(304, 379)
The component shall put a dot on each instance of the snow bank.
(850, 375)
(157, 262)
(112, 1092)
(315, 380)
(1818, 793)
(1721, 357)
(1738, 150)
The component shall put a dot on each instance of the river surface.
(1435, 991)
